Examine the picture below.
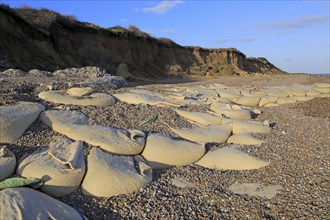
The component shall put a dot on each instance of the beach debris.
(148, 121)
(19, 182)
(256, 189)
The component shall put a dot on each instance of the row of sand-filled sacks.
(263, 97)
(184, 96)
(119, 157)
(248, 97)
(61, 169)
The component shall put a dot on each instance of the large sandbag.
(312, 93)
(253, 93)
(163, 151)
(61, 167)
(200, 117)
(15, 119)
(234, 114)
(303, 98)
(323, 90)
(271, 105)
(222, 105)
(110, 175)
(79, 92)
(230, 158)
(294, 93)
(267, 99)
(229, 92)
(286, 100)
(214, 133)
(248, 127)
(277, 92)
(113, 140)
(322, 85)
(139, 98)
(27, 203)
(202, 91)
(248, 101)
(296, 90)
(60, 119)
(95, 99)
(244, 139)
(7, 163)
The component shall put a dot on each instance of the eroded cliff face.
(46, 40)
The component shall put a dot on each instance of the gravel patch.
(318, 107)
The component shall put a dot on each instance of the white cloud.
(232, 40)
(124, 20)
(163, 7)
(296, 24)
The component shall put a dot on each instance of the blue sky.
(293, 35)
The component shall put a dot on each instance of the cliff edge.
(46, 40)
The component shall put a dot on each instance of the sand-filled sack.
(61, 167)
(229, 92)
(303, 98)
(95, 99)
(285, 100)
(230, 158)
(112, 140)
(277, 92)
(322, 89)
(27, 203)
(271, 105)
(234, 114)
(244, 139)
(312, 93)
(79, 92)
(253, 93)
(7, 163)
(139, 98)
(15, 119)
(163, 151)
(73, 125)
(214, 133)
(202, 91)
(267, 99)
(59, 119)
(222, 105)
(248, 101)
(322, 85)
(200, 117)
(247, 127)
(110, 175)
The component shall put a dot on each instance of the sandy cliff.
(49, 41)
